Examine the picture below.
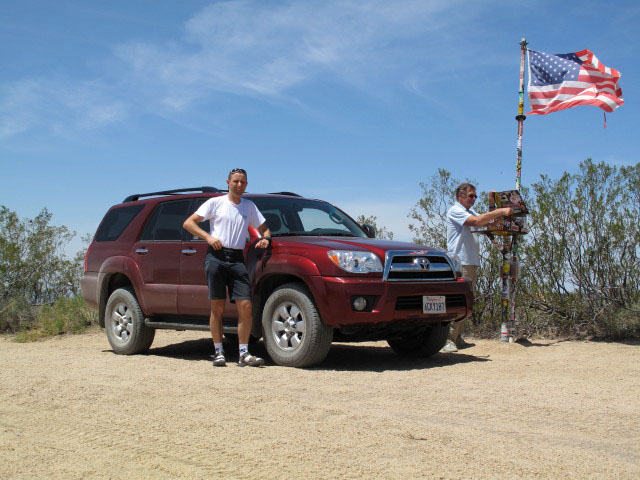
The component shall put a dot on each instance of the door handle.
(142, 251)
(189, 251)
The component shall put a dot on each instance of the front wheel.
(293, 330)
(425, 344)
(124, 323)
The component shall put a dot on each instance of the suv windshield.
(298, 216)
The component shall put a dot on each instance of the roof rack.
(291, 194)
(137, 196)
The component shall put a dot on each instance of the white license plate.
(434, 304)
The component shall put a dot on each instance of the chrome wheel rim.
(122, 322)
(288, 326)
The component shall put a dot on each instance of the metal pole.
(506, 289)
(514, 270)
(515, 264)
(521, 116)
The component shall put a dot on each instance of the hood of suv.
(304, 245)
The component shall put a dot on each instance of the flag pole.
(511, 267)
(521, 116)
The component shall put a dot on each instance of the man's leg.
(244, 332)
(241, 293)
(215, 325)
(455, 330)
(215, 320)
(470, 272)
(217, 279)
(454, 340)
(244, 320)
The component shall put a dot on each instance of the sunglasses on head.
(238, 170)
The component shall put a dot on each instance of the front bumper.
(394, 301)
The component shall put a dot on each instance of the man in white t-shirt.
(229, 218)
(460, 241)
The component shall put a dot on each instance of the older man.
(461, 218)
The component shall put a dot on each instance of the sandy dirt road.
(70, 408)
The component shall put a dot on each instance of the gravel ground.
(70, 408)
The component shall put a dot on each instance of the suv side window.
(276, 221)
(203, 225)
(166, 221)
(115, 222)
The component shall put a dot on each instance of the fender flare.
(118, 265)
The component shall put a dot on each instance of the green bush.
(580, 261)
(16, 314)
(66, 315)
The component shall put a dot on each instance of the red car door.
(158, 256)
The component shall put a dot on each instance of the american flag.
(565, 80)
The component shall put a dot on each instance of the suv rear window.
(115, 222)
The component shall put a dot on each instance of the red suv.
(323, 278)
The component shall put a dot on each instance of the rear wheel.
(294, 334)
(425, 344)
(124, 324)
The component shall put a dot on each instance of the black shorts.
(225, 270)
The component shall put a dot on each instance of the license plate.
(434, 304)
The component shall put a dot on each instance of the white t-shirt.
(229, 222)
(460, 240)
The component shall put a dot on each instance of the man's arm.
(266, 236)
(483, 219)
(191, 226)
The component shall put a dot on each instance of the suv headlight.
(456, 262)
(355, 261)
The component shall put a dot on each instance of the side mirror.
(369, 230)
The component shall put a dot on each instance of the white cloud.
(57, 105)
(17, 110)
(258, 49)
(263, 49)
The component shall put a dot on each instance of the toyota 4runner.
(323, 278)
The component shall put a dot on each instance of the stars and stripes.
(561, 81)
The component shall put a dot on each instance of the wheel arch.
(118, 272)
(110, 283)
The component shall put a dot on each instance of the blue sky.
(354, 102)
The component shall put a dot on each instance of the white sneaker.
(247, 359)
(218, 359)
(449, 347)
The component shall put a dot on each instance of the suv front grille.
(417, 265)
(414, 302)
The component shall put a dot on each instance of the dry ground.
(70, 408)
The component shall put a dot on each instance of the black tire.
(124, 324)
(294, 333)
(426, 344)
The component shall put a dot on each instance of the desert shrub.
(66, 315)
(582, 255)
(34, 271)
(32, 259)
(580, 261)
(381, 231)
(16, 314)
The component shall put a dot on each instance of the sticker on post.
(434, 304)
